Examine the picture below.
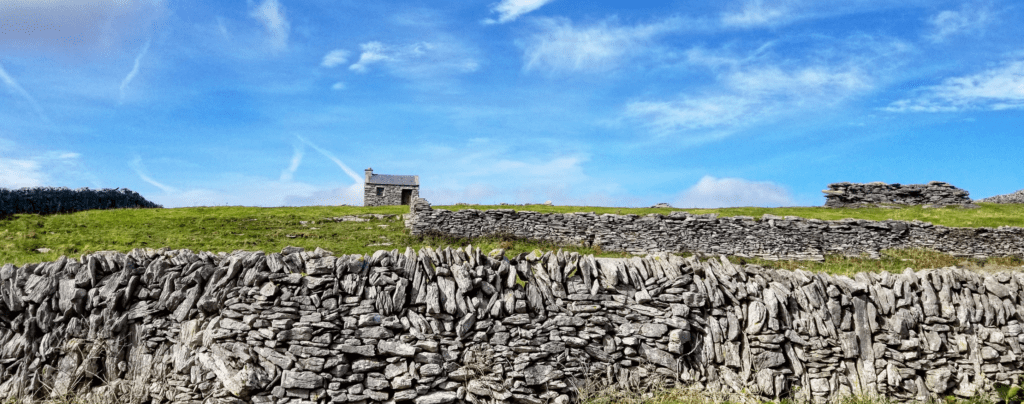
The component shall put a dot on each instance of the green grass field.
(233, 228)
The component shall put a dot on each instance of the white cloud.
(338, 86)
(489, 175)
(334, 58)
(13, 85)
(711, 192)
(135, 70)
(76, 29)
(996, 89)
(257, 191)
(416, 61)
(248, 190)
(271, 15)
(509, 10)
(970, 18)
(69, 155)
(21, 173)
(373, 52)
(558, 46)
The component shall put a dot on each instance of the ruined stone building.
(384, 190)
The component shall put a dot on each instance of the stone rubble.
(934, 194)
(456, 326)
(50, 200)
(772, 237)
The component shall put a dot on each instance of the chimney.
(369, 172)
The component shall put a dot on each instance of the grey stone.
(440, 397)
(395, 348)
(301, 380)
(653, 330)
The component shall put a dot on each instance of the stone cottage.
(384, 190)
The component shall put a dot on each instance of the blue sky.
(697, 104)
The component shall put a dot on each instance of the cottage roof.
(383, 179)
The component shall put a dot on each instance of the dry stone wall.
(935, 193)
(1015, 197)
(50, 200)
(454, 325)
(773, 237)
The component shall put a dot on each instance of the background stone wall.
(935, 193)
(773, 237)
(50, 200)
(454, 325)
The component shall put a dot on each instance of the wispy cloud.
(418, 60)
(995, 89)
(222, 28)
(338, 86)
(711, 192)
(559, 46)
(969, 18)
(334, 58)
(688, 113)
(287, 174)
(756, 13)
(749, 91)
(509, 10)
(135, 70)
(774, 13)
(13, 85)
(271, 15)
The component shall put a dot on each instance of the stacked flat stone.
(935, 193)
(1016, 197)
(454, 325)
(772, 237)
(50, 200)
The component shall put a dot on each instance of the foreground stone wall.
(774, 237)
(935, 193)
(50, 200)
(453, 325)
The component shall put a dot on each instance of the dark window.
(380, 191)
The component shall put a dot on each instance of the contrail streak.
(355, 177)
(135, 70)
(21, 91)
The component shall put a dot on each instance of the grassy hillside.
(232, 228)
